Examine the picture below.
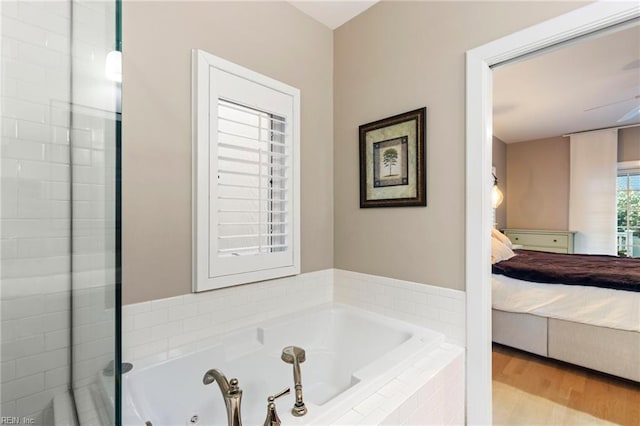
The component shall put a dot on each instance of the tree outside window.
(628, 206)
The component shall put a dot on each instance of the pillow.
(501, 237)
(499, 251)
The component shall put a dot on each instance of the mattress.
(596, 306)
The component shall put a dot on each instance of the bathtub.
(350, 353)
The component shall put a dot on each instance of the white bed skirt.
(604, 349)
(597, 328)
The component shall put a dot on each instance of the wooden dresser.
(542, 240)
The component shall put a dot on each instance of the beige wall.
(500, 163)
(272, 38)
(395, 57)
(538, 179)
(629, 144)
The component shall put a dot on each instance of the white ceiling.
(587, 85)
(333, 13)
(559, 92)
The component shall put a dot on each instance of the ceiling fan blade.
(613, 103)
(631, 114)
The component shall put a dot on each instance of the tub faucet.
(231, 394)
(272, 418)
(295, 355)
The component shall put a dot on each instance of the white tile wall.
(35, 107)
(161, 329)
(438, 401)
(430, 392)
(158, 329)
(35, 211)
(437, 308)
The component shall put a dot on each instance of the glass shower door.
(95, 241)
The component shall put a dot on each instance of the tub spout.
(295, 355)
(231, 393)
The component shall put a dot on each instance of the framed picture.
(392, 161)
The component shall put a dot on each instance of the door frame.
(479, 130)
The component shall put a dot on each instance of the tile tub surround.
(164, 328)
(161, 329)
(437, 308)
(429, 391)
(353, 355)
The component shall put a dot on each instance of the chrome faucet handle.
(272, 418)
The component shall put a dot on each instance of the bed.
(553, 314)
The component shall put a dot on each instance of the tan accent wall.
(272, 38)
(538, 177)
(629, 144)
(500, 163)
(395, 57)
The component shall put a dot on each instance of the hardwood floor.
(599, 395)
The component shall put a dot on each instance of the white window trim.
(202, 62)
(624, 168)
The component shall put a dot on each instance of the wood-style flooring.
(599, 395)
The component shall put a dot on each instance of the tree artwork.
(390, 159)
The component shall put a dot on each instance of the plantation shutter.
(251, 206)
(252, 189)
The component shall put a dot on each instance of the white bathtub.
(350, 354)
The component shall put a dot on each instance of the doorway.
(479, 130)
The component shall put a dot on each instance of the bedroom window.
(628, 206)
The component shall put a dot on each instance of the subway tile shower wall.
(35, 217)
(43, 129)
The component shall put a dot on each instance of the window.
(246, 177)
(628, 206)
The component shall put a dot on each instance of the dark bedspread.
(620, 273)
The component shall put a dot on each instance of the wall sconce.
(496, 194)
